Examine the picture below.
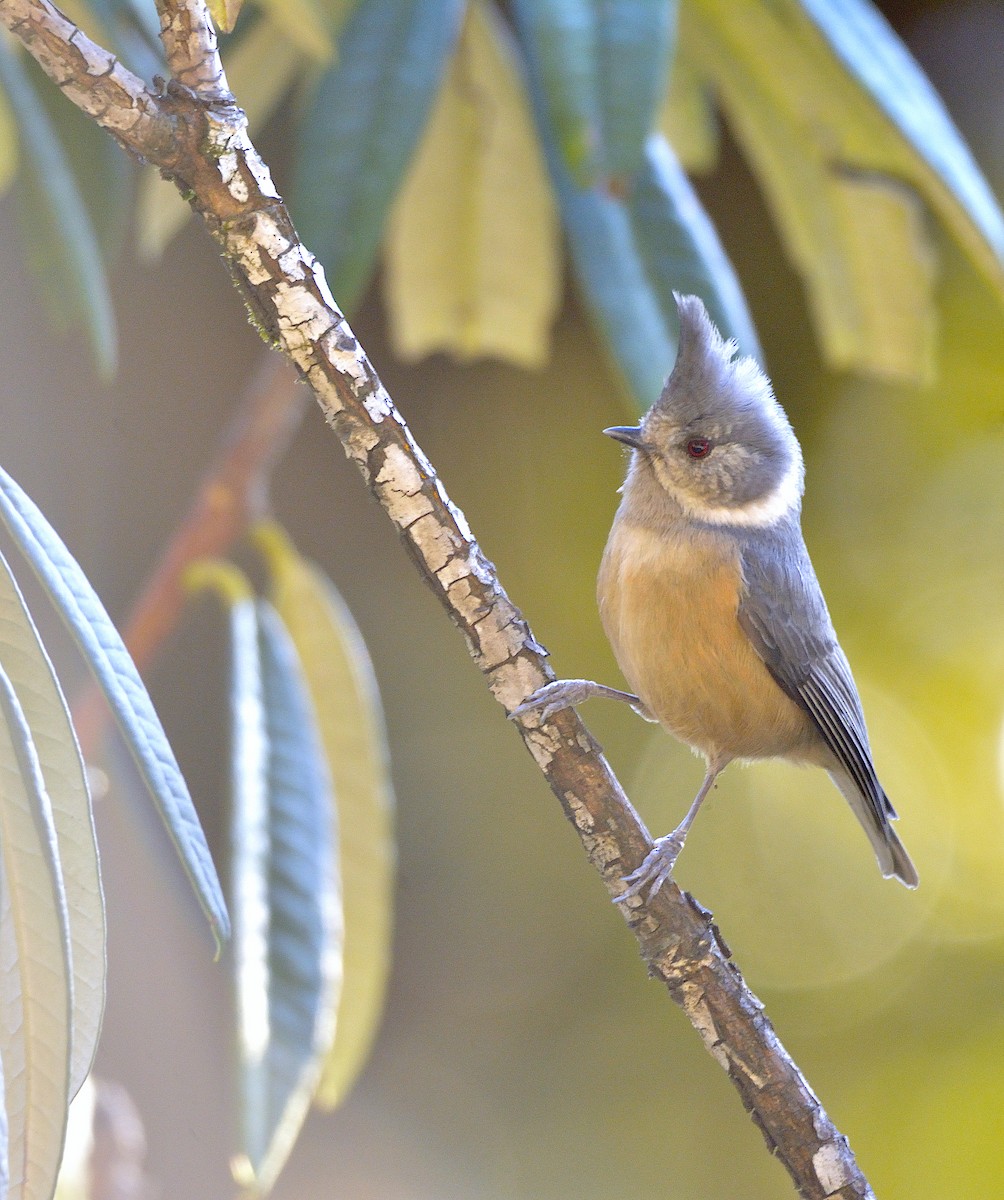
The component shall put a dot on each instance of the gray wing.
(783, 613)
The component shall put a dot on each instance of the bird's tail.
(892, 857)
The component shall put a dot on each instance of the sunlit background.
(524, 1052)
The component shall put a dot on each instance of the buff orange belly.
(669, 609)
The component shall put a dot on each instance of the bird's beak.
(630, 435)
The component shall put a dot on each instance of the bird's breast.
(669, 605)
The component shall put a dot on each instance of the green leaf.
(64, 251)
(560, 40)
(629, 256)
(362, 128)
(634, 47)
(284, 891)
(35, 973)
(225, 13)
(344, 692)
(472, 256)
(27, 665)
(102, 648)
(870, 51)
(302, 24)
(679, 247)
(839, 164)
(249, 844)
(305, 918)
(8, 146)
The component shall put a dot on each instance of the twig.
(233, 495)
(212, 158)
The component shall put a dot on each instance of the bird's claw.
(550, 699)
(654, 871)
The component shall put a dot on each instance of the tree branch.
(212, 160)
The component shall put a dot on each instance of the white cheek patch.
(766, 510)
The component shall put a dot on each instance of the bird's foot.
(564, 693)
(656, 869)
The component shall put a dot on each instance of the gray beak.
(630, 435)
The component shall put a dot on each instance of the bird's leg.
(563, 693)
(661, 859)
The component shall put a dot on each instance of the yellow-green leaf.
(687, 118)
(302, 24)
(8, 144)
(35, 973)
(472, 254)
(341, 683)
(225, 13)
(838, 170)
(30, 672)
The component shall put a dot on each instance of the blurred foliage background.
(523, 1052)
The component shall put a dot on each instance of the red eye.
(698, 447)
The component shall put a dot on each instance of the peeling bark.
(206, 151)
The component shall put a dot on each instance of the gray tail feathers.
(892, 857)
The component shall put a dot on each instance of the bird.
(711, 604)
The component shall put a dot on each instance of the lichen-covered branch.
(212, 160)
(191, 49)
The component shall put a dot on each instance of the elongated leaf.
(250, 851)
(66, 252)
(472, 255)
(679, 246)
(634, 47)
(870, 51)
(27, 665)
(362, 128)
(687, 118)
(343, 689)
(102, 648)
(560, 39)
(837, 166)
(35, 972)
(305, 920)
(74, 1182)
(624, 274)
(225, 12)
(302, 24)
(8, 147)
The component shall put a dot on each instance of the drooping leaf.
(560, 40)
(63, 247)
(250, 849)
(634, 48)
(861, 38)
(687, 118)
(838, 156)
(108, 659)
(679, 246)
(302, 24)
(8, 144)
(23, 658)
(35, 971)
(74, 1181)
(362, 128)
(472, 257)
(225, 13)
(345, 697)
(284, 892)
(625, 276)
(305, 920)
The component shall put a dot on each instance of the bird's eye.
(699, 447)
